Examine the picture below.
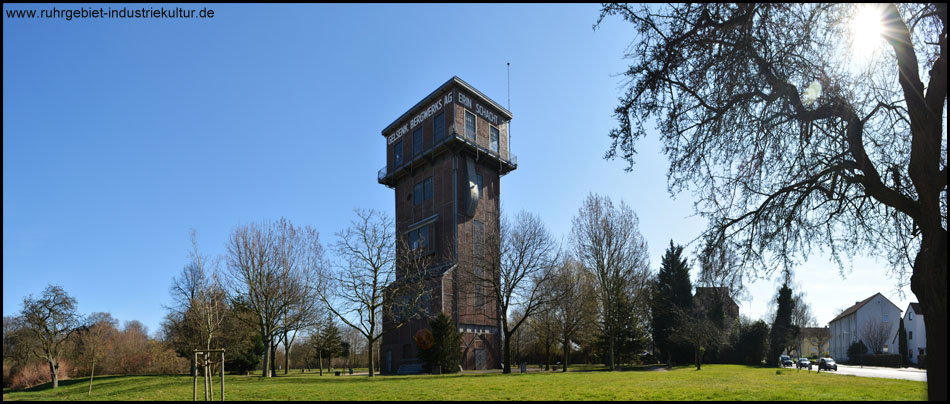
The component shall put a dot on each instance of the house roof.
(815, 331)
(853, 309)
(916, 308)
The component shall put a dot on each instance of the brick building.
(444, 159)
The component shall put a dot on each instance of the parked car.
(803, 363)
(785, 360)
(827, 364)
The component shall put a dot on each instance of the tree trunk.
(286, 357)
(53, 370)
(273, 359)
(194, 367)
(265, 368)
(567, 343)
(92, 374)
(370, 346)
(929, 283)
(610, 355)
(547, 354)
(320, 361)
(506, 344)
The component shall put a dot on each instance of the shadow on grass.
(64, 383)
(624, 368)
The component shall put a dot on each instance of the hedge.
(885, 360)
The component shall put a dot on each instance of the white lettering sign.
(480, 110)
(419, 118)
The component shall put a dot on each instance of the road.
(914, 374)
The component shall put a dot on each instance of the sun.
(866, 30)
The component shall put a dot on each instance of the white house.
(916, 332)
(857, 322)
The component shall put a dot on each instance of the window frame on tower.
(493, 136)
(422, 191)
(417, 141)
(473, 133)
(397, 153)
(438, 127)
(422, 237)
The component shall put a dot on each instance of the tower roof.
(455, 80)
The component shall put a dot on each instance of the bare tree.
(199, 298)
(511, 265)
(198, 292)
(270, 275)
(50, 320)
(876, 333)
(718, 263)
(694, 328)
(791, 142)
(818, 337)
(607, 241)
(94, 340)
(574, 303)
(370, 282)
(302, 249)
(544, 328)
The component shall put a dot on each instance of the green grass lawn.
(713, 382)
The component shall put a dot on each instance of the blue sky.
(121, 135)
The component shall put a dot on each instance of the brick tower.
(444, 159)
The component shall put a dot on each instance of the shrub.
(885, 360)
(35, 374)
(922, 361)
(648, 359)
(6, 374)
(856, 349)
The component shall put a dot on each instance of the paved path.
(919, 375)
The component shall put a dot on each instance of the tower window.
(480, 183)
(397, 153)
(427, 189)
(469, 125)
(417, 141)
(493, 144)
(417, 194)
(438, 127)
(911, 335)
(422, 191)
(421, 238)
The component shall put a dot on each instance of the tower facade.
(444, 159)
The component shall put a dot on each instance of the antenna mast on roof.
(509, 110)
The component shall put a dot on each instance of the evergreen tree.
(248, 359)
(672, 293)
(444, 352)
(629, 339)
(902, 343)
(331, 343)
(783, 332)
